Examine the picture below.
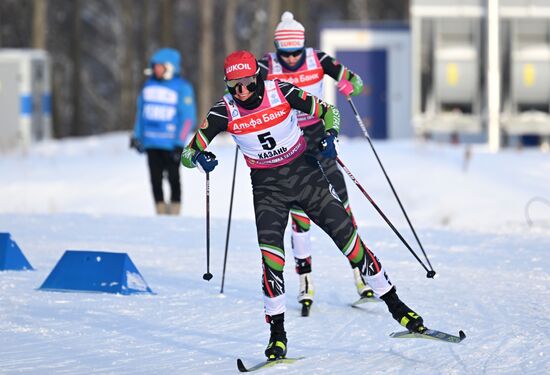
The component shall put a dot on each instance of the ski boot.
(276, 348)
(161, 208)
(306, 292)
(402, 313)
(363, 289)
(305, 295)
(174, 208)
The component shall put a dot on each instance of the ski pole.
(207, 276)
(366, 133)
(229, 218)
(431, 273)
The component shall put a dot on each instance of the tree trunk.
(148, 39)
(259, 29)
(39, 23)
(358, 10)
(127, 93)
(76, 128)
(274, 19)
(167, 9)
(229, 35)
(206, 58)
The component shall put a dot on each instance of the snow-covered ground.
(93, 194)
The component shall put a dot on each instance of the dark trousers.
(300, 183)
(161, 162)
(313, 135)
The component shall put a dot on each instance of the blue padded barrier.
(96, 271)
(11, 256)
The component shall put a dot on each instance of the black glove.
(135, 143)
(176, 154)
(328, 145)
(205, 161)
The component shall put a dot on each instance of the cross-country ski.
(266, 364)
(431, 334)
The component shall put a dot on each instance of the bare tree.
(387, 10)
(75, 52)
(127, 93)
(39, 22)
(206, 66)
(100, 47)
(229, 38)
(357, 10)
(274, 19)
(167, 11)
(146, 29)
(260, 21)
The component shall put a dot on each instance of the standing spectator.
(166, 113)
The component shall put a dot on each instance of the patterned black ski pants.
(313, 135)
(300, 183)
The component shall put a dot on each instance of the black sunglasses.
(293, 54)
(241, 81)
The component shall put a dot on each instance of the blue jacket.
(166, 110)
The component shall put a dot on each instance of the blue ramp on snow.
(96, 271)
(11, 256)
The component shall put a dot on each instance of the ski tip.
(240, 365)
(362, 301)
(462, 335)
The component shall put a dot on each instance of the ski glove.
(328, 145)
(345, 87)
(135, 143)
(205, 161)
(353, 86)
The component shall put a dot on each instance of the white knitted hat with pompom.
(289, 34)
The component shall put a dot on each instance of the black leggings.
(161, 161)
(301, 183)
(313, 135)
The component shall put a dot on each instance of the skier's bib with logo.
(309, 77)
(268, 136)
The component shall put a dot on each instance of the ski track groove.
(342, 329)
(458, 359)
